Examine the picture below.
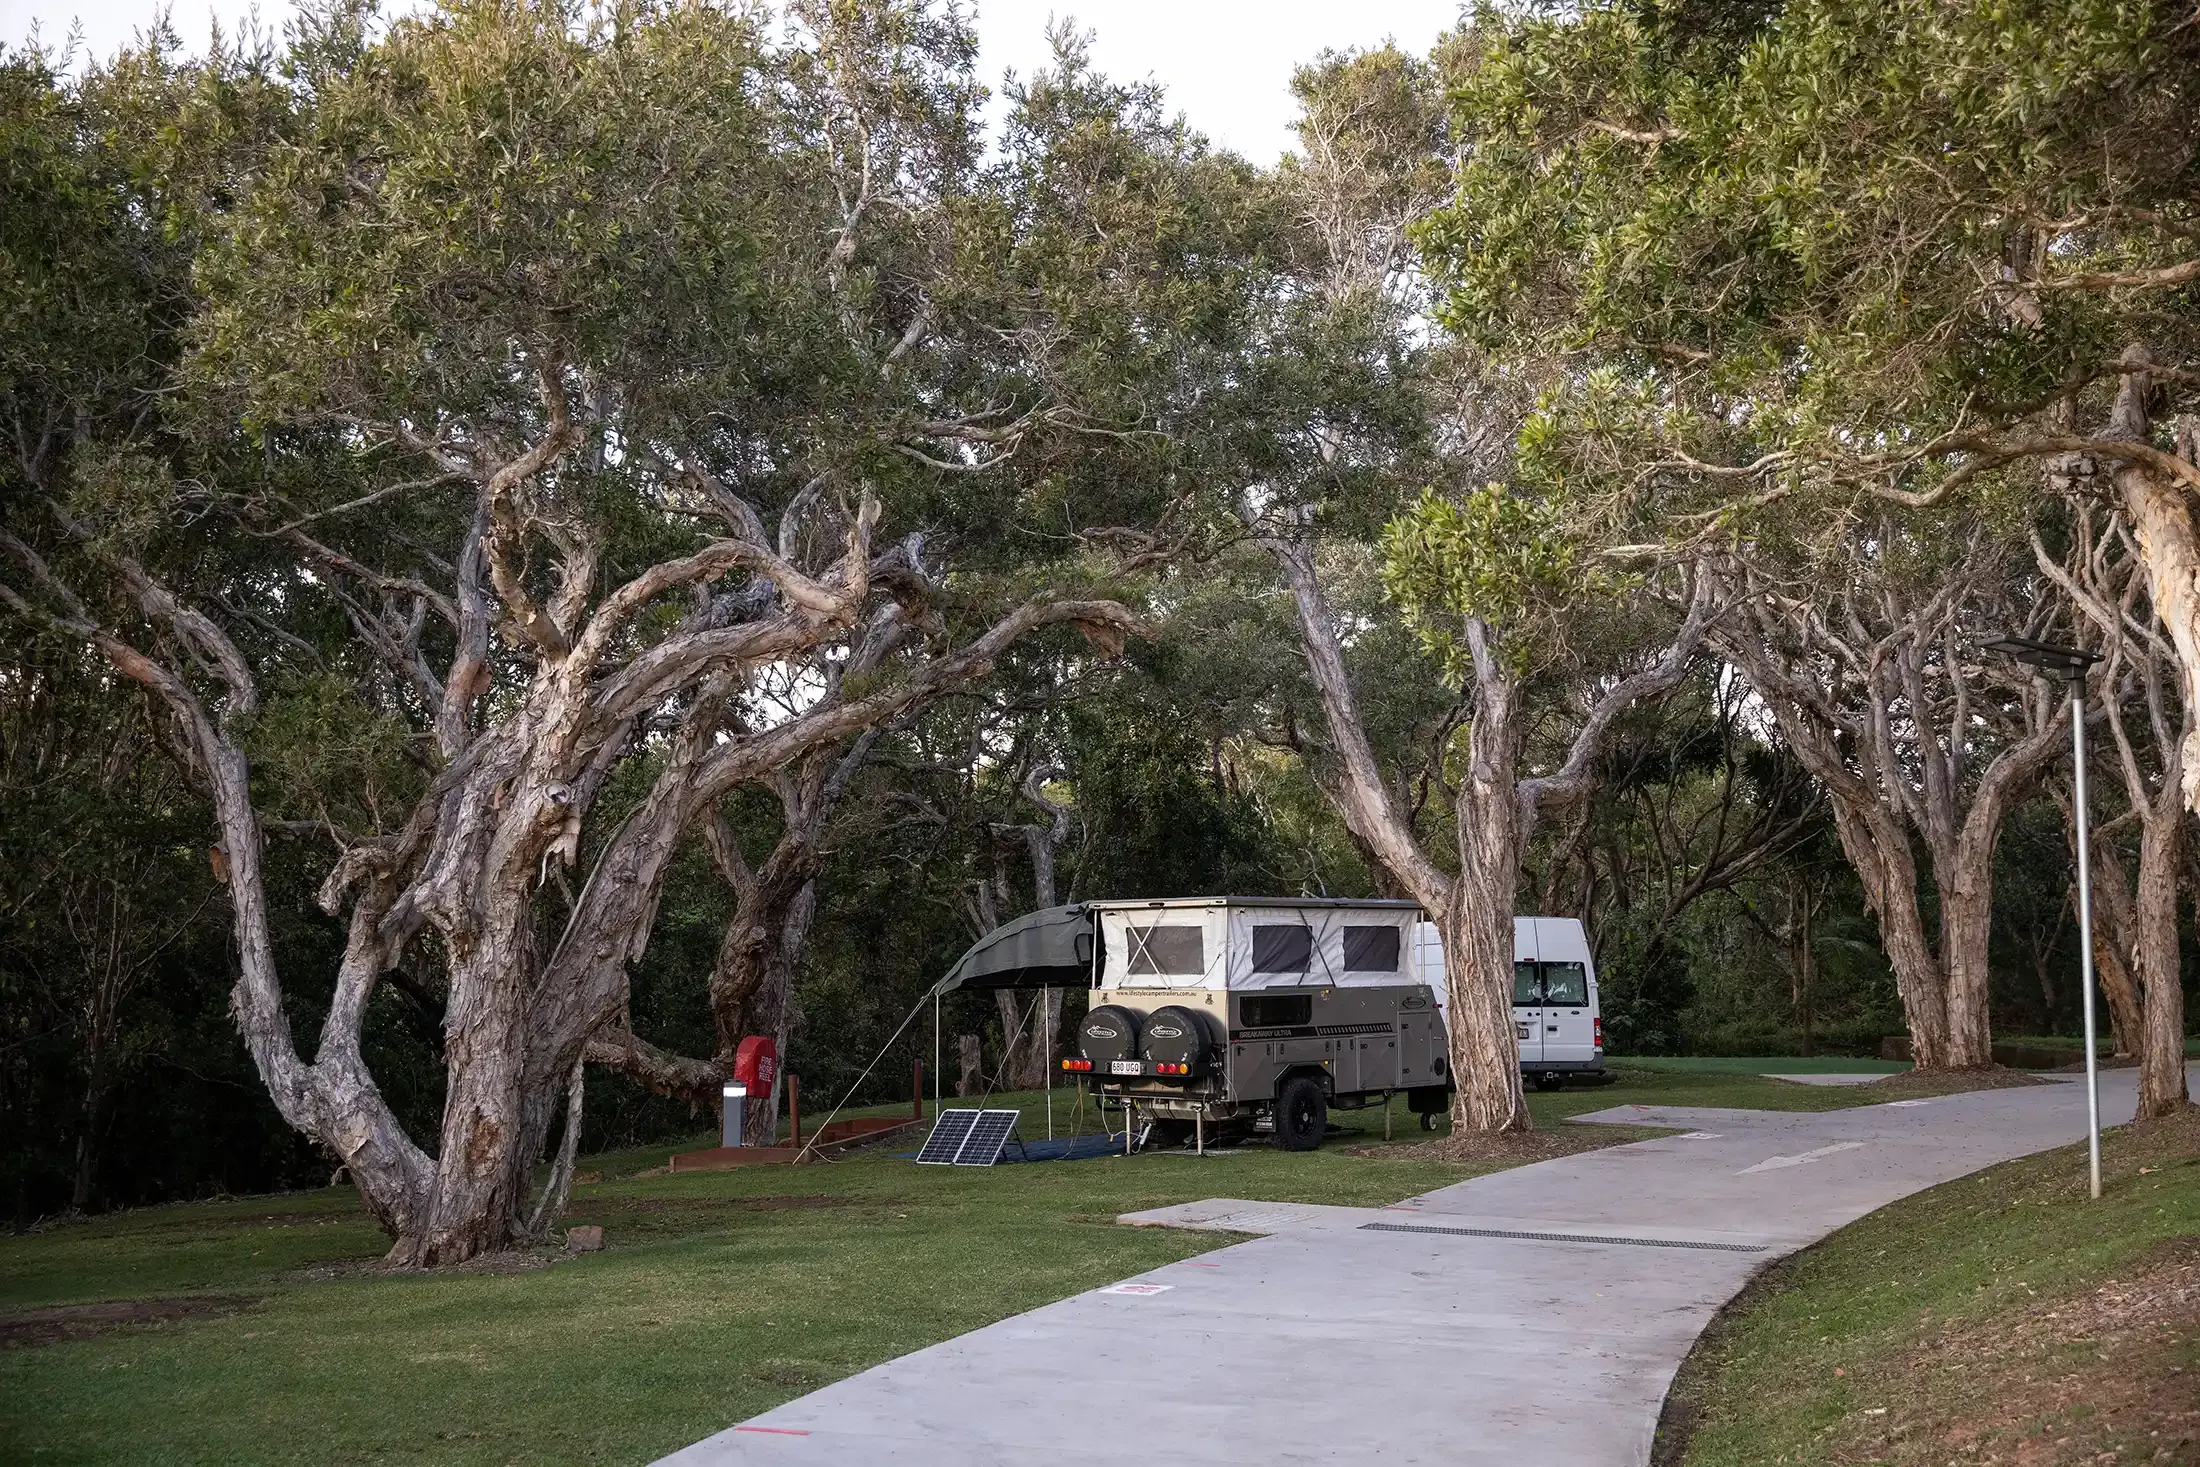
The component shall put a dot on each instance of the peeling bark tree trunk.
(2162, 1085)
(2141, 675)
(465, 869)
(1495, 814)
(1477, 920)
(1882, 718)
(2113, 925)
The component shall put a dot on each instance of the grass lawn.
(2075, 1043)
(2002, 1318)
(1771, 1065)
(721, 1294)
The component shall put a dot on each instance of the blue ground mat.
(1062, 1148)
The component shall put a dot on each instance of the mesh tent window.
(1170, 948)
(1283, 948)
(1371, 949)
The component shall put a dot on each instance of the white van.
(1555, 1013)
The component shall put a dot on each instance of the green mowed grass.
(1829, 1341)
(1788, 1064)
(721, 1294)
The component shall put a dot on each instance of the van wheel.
(1302, 1114)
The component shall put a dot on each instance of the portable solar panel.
(948, 1134)
(987, 1139)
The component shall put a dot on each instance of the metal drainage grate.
(1562, 1237)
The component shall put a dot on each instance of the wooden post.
(794, 1107)
(1387, 1094)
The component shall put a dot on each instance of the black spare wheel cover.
(1175, 1036)
(1108, 1033)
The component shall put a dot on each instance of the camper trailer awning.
(1051, 948)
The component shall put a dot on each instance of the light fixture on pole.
(2070, 664)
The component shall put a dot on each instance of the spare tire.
(1177, 1036)
(1108, 1033)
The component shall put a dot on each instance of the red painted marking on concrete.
(773, 1430)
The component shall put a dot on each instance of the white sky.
(1226, 63)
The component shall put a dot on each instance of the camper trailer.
(1244, 1012)
(1237, 1013)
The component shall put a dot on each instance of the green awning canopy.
(1051, 948)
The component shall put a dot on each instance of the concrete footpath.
(1533, 1316)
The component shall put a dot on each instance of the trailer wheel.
(1169, 1135)
(1302, 1114)
(1550, 1080)
(1428, 1120)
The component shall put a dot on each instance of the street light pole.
(2085, 935)
(2070, 664)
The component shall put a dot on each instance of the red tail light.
(1077, 1064)
(1599, 1032)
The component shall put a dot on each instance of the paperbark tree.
(1872, 685)
(1495, 805)
(497, 312)
(1492, 578)
(2150, 725)
(1985, 267)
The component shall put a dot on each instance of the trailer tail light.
(1161, 1069)
(1079, 1065)
(1599, 1031)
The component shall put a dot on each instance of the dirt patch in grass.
(652, 1205)
(31, 1327)
(510, 1260)
(2109, 1375)
(1516, 1148)
(1951, 1082)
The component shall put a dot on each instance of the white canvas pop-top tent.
(1255, 942)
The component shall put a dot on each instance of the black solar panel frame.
(949, 1132)
(988, 1138)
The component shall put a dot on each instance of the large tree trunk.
(1485, 1057)
(2159, 511)
(482, 1165)
(1879, 848)
(1477, 921)
(2157, 507)
(2162, 1087)
(1891, 756)
(2115, 924)
(1966, 884)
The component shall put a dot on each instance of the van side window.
(1283, 949)
(1527, 987)
(1177, 950)
(1276, 1011)
(1565, 983)
(1371, 949)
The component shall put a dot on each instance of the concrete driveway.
(1533, 1316)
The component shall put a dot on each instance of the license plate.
(1124, 1067)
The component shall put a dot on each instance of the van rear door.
(1569, 991)
(1527, 992)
